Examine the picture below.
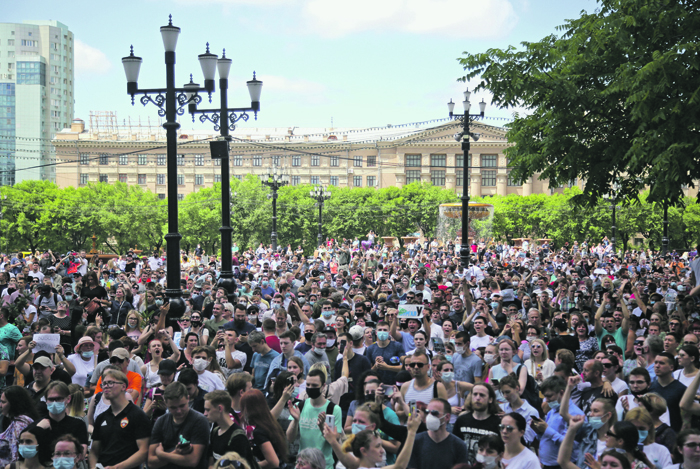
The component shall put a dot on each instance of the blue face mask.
(595, 422)
(494, 304)
(63, 463)
(27, 451)
(643, 434)
(69, 297)
(87, 354)
(449, 358)
(56, 408)
(554, 405)
(382, 335)
(357, 428)
(327, 314)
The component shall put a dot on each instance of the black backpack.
(531, 394)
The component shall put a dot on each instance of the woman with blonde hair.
(134, 325)
(539, 366)
(657, 407)
(231, 460)
(659, 455)
(76, 406)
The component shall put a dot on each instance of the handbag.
(93, 306)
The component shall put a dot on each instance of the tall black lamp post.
(466, 119)
(320, 194)
(224, 120)
(171, 102)
(274, 180)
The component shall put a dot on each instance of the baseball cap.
(42, 361)
(120, 353)
(167, 367)
(356, 332)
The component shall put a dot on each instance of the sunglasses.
(692, 445)
(434, 413)
(607, 365)
(419, 365)
(506, 428)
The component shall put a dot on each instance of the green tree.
(616, 94)
(200, 219)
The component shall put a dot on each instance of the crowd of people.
(359, 356)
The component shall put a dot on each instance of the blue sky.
(360, 63)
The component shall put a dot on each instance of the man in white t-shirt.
(207, 380)
(230, 360)
(481, 339)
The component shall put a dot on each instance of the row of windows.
(142, 179)
(437, 177)
(143, 160)
(440, 160)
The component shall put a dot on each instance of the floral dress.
(9, 439)
(586, 351)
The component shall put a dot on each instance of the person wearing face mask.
(201, 361)
(84, 360)
(552, 429)
(120, 357)
(437, 448)
(385, 355)
(456, 390)
(490, 451)
(28, 449)
(17, 412)
(601, 417)
(67, 453)
(659, 455)
(483, 419)
(59, 424)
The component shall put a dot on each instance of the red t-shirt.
(274, 343)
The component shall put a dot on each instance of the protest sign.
(46, 342)
(411, 311)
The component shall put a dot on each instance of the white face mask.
(432, 423)
(489, 358)
(489, 462)
(200, 364)
(459, 350)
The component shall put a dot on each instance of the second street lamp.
(224, 120)
(274, 180)
(466, 120)
(320, 194)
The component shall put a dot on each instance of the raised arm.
(392, 329)
(598, 315)
(688, 403)
(566, 397)
(567, 444)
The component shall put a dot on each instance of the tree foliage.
(616, 95)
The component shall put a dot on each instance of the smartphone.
(343, 344)
(221, 328)
(388, 390)
(412, 408)
(330, 420)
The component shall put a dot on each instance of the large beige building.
(377, 157)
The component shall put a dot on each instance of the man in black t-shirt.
(122, 433)
(483, 420)
(226, 435)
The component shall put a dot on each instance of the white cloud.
(89, 60)
(453, 18)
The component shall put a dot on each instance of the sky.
(359, 63)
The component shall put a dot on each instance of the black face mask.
(313, 393)
(308, 336)
(369, 397)
(196, 323)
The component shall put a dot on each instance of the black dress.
(99, 293)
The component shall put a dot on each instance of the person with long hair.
(689, 360)
(154, 405)
(28, 449)
(609, 459)
(76, 407)
(191, 342)
(513, 426)
(506, 351)
(611, 368)
(686, 449)
(539, 366)
(269, 443)
(587, 343)
(18, 412)
(134, 325)
(92, 290)
(624, 435)
(456, 390)
(659, 455)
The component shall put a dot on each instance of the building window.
(371, 181)
(459, 177)
(238, 176)
(180, 180)
(199, 160)
(143, 160)
(275, 160)
(84, 160)
(198, 180)
(296, 160)
(181, 197)
(160, 179)
(161, 196)
(437, 177)
(104, 159)
(315, 160)
(315, 180)
(295, 180)
(10, 42)
(357, 181)
(489, 161)
(257, 160)
(412, 175)
(104, 178)
(237, 161)
(511, 181)
(439, 161)
(123, 159)
(142, 179)
(217, 162)
(122, 178)
(161, 160)
(334, 180)
(84, 179)
(413, 161)
(357, 161)
(459, 160)
(334, 161)
(30, 73)
(181, 160)
(217, 178)
(371, 160)
(488, 178)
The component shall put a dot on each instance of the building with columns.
(375, 157)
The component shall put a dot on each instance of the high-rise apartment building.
(36, 96)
